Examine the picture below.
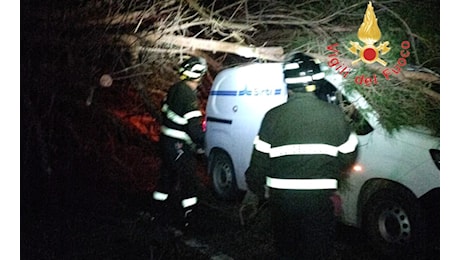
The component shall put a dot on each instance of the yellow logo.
(369, 33)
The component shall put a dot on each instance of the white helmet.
(193, 68)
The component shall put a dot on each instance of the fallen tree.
(157, 35)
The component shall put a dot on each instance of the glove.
(249, 207)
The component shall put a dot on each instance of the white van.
(393, 190)
(237, 103)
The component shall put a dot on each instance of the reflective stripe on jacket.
(301, 184)
(304, 149)
(181, 135)
(180, 120)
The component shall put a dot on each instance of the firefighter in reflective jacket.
(181, 134)
(302, 148)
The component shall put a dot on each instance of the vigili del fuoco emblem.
(369, 33)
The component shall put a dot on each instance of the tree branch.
(264, 53)
(404, 75)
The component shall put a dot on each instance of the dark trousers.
(303, 223)
(177, 179)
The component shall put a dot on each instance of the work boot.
(167, 228)
(189, 221)
(187, 218)
(160, 212)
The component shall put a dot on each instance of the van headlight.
(357, 168)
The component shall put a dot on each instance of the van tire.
(223, 176)
(393, 222)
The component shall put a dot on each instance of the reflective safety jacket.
(182, 116)
(304, 144)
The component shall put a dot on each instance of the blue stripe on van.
(235, 92)
(218, 120)
(223, 92)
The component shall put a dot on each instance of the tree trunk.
(191, 43)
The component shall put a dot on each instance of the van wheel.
(393, 222)
(223, 176)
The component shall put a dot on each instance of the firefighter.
(181, 136)
(303, 148)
